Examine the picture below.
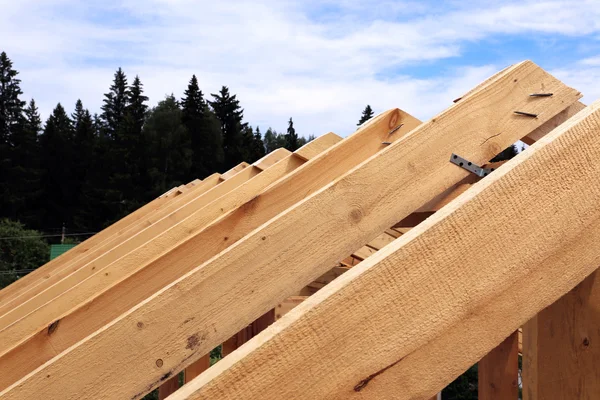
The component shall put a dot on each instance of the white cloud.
(318, 61)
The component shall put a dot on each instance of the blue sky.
(320, 62)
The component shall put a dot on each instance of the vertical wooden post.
(197, 368)
(499, 371)
(249, 332)
(561, 347)
(168, 388)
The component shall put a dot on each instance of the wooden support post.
(168, 388)
(561, 346)
(256, 327)
(499, 371)
(197, 368)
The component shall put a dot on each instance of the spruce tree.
(83, 156)
(115, 104)
(229, 113)
(11, 106)
(204, 130)
(367, 114)
(57, 164)
(270, 140)
(11, 119)
(25, 172)
(258, 145)
(291, 138)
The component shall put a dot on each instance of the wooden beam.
(561, 346)
(58, 271)
(67, 279)
(56, 299)
(332, 222)
(108, 305)
(437, 299)
(499, 371)
(553, 123)
(234, 171)
(17, 287)
(244, 335)
(168, 388)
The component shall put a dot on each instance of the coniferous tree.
(367, 114)
(57, 164)
(204, 130)
(229, 113)
(11, 119)
(25, 172)
(115, 104)
(258, 145)
(291, 138)
(83, 154)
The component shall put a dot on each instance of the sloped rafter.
(373, 188)
(82, 321)
(50, 272)
(420, 322)
(19, 286)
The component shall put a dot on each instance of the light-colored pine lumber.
(59, 270)
(553, 123)
(438, 299)
(80, 285)
(244, 335)
(288, 305)
(561, 346)
(498, 371)
(13, 289)
(235, 170)
(127, 292)
(67, 279)
(332, 222)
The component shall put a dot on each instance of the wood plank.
(561, 346)
(234, 171)
(168, 388)
(381, 241)
(498, 371)
(308, 152)
(250, 331)
(436, 300)
(272, 158)
(331, 222)
(197, 368)
(50, 277)
(53, 288)
(553, 123)
(104, 307)
(288, 305)
(16, 287)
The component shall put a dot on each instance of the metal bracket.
(469, 166)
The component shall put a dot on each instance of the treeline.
(85, 170)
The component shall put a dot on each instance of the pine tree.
(367, 114)
(57, 164)
(258, 145)
(11, 106)
(204, 130)
(83, 156)
(11, 119)
(291, 138)
(25, 172)
(229, 113)
(115, 104)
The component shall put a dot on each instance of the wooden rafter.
(419, 322)
(385, 187)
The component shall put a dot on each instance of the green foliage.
(291, 138)
(367, 114)
(205, 132)
(20, 249)
(464, 387)
(169, 143)
(229, 113)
